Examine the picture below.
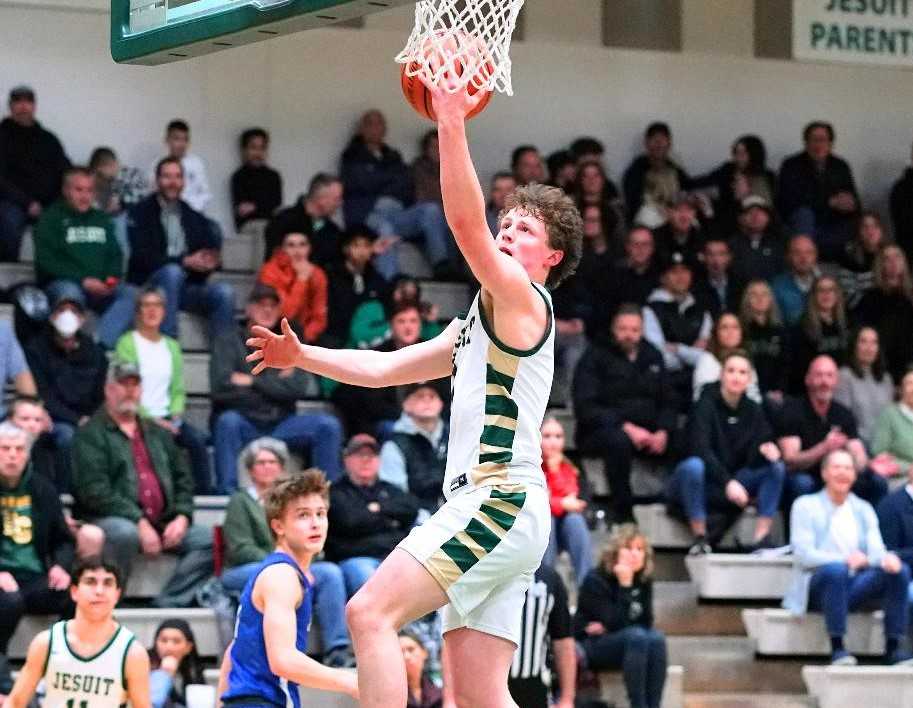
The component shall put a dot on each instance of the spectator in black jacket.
(246, 407)
(823, 329)
(380, 193)
(902, 212)
(614, 618)
(175, 248)
(36, 546)
(256, 188)
(817, 192)
(32, 163)
(312, 215)
(351, 282)
(623, 404)
(415, 456)
(637, 274)
(732, 460)
(757, 248)
(716, 286)
(682, 231)
(655, 166)
(765, 339)
(368, 517)
(69, 370)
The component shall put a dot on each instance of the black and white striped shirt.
(545, 618)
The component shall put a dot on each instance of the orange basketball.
(418, 97)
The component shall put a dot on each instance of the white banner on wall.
(854, 31)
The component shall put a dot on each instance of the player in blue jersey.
(265, 663)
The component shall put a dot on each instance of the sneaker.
(339, 658)
(842, 657)
(700, 547)
(762, 544)
(899, 658)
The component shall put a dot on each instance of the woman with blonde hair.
(888, 307)
(822, 330)
(614, 620)
(765, 338)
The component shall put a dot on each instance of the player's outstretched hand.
(448, 100)
(271, 350)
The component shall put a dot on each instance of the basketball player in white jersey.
(90, 661)
(478, 553)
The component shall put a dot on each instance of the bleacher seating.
(731, 576)
(667, 532)
(612, 689)
(854, 686)
(777, 632)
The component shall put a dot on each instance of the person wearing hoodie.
(677, 324)
(76, 249)
(415, 456)
(380, 194)
(32, 163)
(302, 285)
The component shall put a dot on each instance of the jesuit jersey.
(499, 397)
(251, 680)
(98, 681)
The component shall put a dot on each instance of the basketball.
(419, 98)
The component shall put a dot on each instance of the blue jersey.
(250, 676)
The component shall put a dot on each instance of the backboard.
(162, 31)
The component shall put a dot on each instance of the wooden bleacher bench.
(777, 632)
(734, 576)
(855, 686)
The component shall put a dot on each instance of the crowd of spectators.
(747, 331)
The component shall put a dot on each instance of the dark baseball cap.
(22, 93)
(120, 370)
(71, 296)
(360, 441)
(409, 389)
(673, 260)
(260, 291)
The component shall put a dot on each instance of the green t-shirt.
(17, 547)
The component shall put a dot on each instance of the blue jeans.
(570, 533)
(329, 598)
(13, 219)
(215, 301)
(116, 310)
(641, 655)
(837, 593)
(687, 487)
(194, 441)
(425, 220)
(62, 437)
(356, 572)
(319, 433)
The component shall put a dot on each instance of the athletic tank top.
(97, 681)
(499, 395)
(250, 675)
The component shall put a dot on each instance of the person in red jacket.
(302, 286)
(569, 530)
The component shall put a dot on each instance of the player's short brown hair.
(562, 220)
(287, 488)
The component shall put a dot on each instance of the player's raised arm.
(136, 674)
(419, 362)
(280, 590)
(31, 672)
(464, 203)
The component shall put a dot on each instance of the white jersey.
(73, 681)
(499, 397)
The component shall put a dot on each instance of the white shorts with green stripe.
(483, 548)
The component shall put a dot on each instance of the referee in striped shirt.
(546, 621)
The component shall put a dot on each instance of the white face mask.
(66, 323)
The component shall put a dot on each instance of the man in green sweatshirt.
(76, 250)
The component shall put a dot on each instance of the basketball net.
(474, 35)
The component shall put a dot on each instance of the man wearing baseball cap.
(32, 163)
(368, 517)
(133, 482)
(757, 247)
(676, 323)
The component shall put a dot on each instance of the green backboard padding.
(221, 24)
